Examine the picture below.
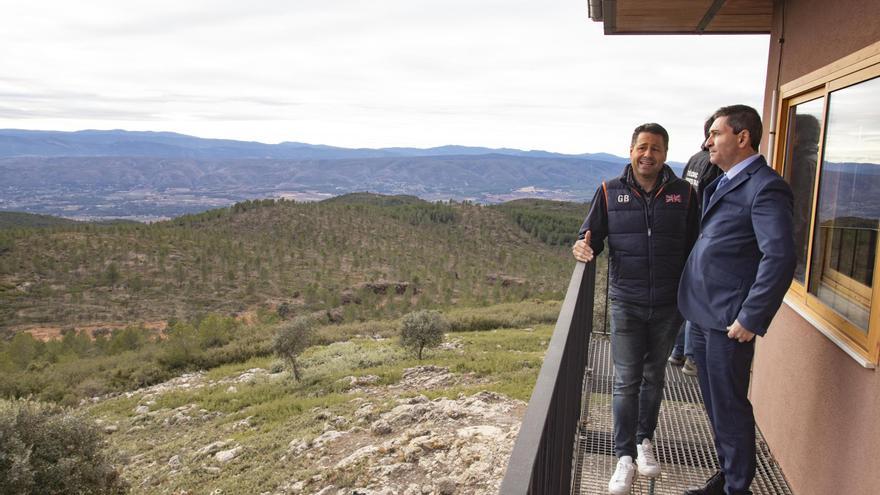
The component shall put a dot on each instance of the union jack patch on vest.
(673, 198)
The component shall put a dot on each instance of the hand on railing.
(582, 250)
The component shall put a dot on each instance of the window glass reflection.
(804, 129)
(845, 234)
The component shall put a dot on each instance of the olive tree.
(291, 339)
(421, 329)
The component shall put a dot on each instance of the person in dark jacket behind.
(699, 172)
(650, 219)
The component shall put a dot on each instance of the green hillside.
(553, 222)
(351, 258)
(15, 219)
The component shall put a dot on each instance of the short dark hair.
(653, 129)
(706, 126)
(741, 117)
(807, 129)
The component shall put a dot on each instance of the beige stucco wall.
(816, 33)
(818, 408)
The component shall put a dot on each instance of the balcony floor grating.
(683, 438)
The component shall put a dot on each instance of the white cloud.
(517, 73)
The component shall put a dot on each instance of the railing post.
(541, 461)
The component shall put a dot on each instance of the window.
(831, 159)
(800, 171)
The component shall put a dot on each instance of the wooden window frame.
(853, 69)
(785, 114)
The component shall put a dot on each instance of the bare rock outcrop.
(392, 440)
(419, 446)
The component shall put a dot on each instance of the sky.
(523, 74)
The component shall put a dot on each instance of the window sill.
(826, 330)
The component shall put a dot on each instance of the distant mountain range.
(20, 143)
(146, 175)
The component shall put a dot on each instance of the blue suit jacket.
(743, 261)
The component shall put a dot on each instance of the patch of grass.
(347, 331)
(520, 387)
(226, 370)
(345, 358)
(117, 408)
(511, 315)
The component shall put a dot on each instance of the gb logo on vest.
(623, 198)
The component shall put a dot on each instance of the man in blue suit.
(733, 283)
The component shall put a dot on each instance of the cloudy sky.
(524, 74)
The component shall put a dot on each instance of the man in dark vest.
(650, 219)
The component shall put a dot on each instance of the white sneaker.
(623, 477)
(648, 465)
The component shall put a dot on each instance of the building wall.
(818, 410)
(817, 407)
(815, 33)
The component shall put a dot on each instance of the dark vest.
(647, 240)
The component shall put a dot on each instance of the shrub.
(291, 339)
(216, 330)
(23, 349)
(422, 329)
(182, 348)
(128, 339)
(276, 367)
(283, 311)
(47, 450)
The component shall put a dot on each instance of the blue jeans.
(641, 340)
(683, 343)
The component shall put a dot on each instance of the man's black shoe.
(714, 486)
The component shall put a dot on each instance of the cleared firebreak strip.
(683, 439)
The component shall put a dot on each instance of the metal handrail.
(541, 461)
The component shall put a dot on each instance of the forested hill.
(352, 257)
(13, 219)
(17, 219)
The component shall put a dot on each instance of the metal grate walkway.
(683, 438)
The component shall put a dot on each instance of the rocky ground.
(389, 440)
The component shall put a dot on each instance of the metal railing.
(541, 461)
(850, 251)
